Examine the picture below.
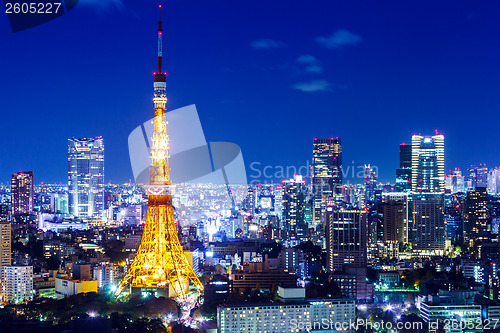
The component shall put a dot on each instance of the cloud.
(313, 86)
(339, 39)
(311, 64)
(266, 44)
(103, 4)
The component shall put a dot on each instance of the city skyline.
(425, 69)
(217, 249)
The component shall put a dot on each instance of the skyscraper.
(476, 218)
(394, 217)
(346, 238)
(22, 193)
(86, 177)
(428, 222)
(370, 180)
(5, 245)
(427, 163)
(454, 214)
(427, 181)
(326, 174)
(478, 176)
(494, 181)
(455, 182)
(293, 204)
(403, 173)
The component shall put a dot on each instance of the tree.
(53, 263)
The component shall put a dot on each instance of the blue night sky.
(267, 75)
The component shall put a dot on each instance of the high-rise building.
(5, 245)
(427, 181)
(293, 204)
(326, 174)
(476, 218)
(454, 212)
(427, 171)
(428, 222)
(370, 181)
(17, 284)
(478, 176)
(403, 173)
(346, 238)
(22, 193)
(86, 177)
(59, 203)
(394, 217)
(494, 181)
(455, 182)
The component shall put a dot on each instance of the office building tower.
(22, 193)
(476, 216)
(326, 175)
(494, 181)
(293, 204)
(454, 218)
(86, 177)
(346, 238)
(370, 181)
(478, 176)
(427, 171)
(59, 203)
(403, 181)
(5, 245)
(278, 201)
(17, 284)
(5, 212)
(106, 275)
(394, 217)
(455, 182)
(403, 173)
(428, 223)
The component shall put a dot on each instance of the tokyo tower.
(160, 264)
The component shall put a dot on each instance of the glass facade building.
(293, 204)
(427, 182)
(427, 163)
(403, 173)
(86, 177)
(326, 175)
(346, 238)
(22, 193)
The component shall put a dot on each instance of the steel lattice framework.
(160, 261)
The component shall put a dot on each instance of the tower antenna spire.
(160, 51)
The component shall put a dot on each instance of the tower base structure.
(160, 266)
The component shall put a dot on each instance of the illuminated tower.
(160, 265)
(326, 175)
(427, 159)
(22, 193)
(86, 177)
(427, 181)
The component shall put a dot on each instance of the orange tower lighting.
(160, 262)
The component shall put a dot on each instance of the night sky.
(269, 76)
